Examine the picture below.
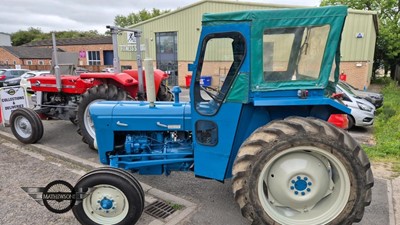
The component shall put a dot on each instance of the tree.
(25, 36)
(134, 18)
(35, 34)
(387, 44)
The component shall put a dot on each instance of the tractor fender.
(123, 79)
(159, 76)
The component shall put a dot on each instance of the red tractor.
(67, 97)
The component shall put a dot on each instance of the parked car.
(108, 70)
(375, 98)
(6, 74)
(24, 81)
(79, 70)
(362, 111)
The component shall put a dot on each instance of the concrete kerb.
(392, 219)
(175, 218)
(395, 201)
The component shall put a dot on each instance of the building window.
(94, 58)
(41, 62)
(15, 62)
(28, 62)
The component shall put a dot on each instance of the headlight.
(375, 96)
(364, 107)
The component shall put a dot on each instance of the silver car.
(362, 111)
(375, 98)
(9, 74)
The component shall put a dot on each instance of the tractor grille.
(159, 209)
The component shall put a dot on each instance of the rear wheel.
(302, 171)
(164, 94)
(114, 198)
(95, 94)
(26, 125)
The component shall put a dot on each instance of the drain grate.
(159, 209)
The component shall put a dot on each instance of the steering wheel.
(213, 96)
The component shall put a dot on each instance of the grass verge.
(387, 127)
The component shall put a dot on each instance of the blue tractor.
(264, 125)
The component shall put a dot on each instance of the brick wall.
(7, 58)
(85, 48)
(36, 62)
(357, 73)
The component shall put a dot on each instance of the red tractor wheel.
(26, 125)
(164, 94)
(92, 95)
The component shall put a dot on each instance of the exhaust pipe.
(150, 87)
(56, 66)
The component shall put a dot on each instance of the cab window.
(291, 54)
(220, 59)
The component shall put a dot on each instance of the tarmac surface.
(60, 154)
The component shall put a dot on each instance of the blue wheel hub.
(106, 203)
(301, 186)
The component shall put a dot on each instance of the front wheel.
(26, 125)
(114, 198)
(302, 171)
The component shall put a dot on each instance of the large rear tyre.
(115, 197)
(302, 171)
(164, 94)
(92, 95)
(26, 125)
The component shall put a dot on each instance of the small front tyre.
(302, 171)
(26, 125)
(114, 198)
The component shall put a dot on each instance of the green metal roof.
(276, 14)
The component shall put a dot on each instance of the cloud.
(83, 15)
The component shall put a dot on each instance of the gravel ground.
(20, 170)
(25, 168)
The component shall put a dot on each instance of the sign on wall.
(82, 54)
(130, 37)
(11, 98)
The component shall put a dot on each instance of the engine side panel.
(128, 117)
(70, 84)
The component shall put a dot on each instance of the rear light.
(339, 120)
(337, 95)
(2, 77)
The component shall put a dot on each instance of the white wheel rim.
(87, 119)
(23, 127)
(321, 194)
(106, 205)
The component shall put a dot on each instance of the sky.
(84, 15)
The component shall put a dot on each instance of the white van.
(362, 111)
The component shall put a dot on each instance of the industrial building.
(171, 40)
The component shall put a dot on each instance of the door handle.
(172, 126)
(162, 125)
(122, 124)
